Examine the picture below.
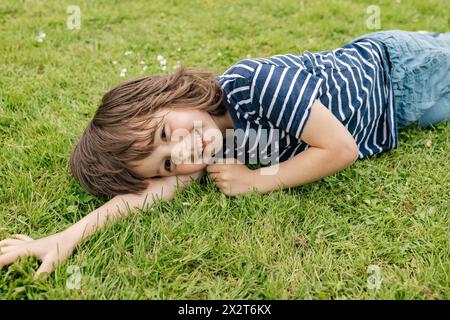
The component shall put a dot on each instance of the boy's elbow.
(347, 152)
(351, 152)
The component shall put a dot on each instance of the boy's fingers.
(237, 161)
(9, 242)
(214, 176)
(10, 257)
(213, 168)
(46, 267)
(5, 250)
(23, 237)
(232, 161)
(218, 167)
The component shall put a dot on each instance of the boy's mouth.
(204, 144)
(199, 141)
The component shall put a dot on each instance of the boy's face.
(184, 142)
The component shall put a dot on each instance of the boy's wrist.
(70, 236)
(263, 182)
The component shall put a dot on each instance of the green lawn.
(313, 242)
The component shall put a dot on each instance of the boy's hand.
(50, 250)
(232, 177)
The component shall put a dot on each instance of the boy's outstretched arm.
(56, 248)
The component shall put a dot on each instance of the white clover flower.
(177, 65)
(127, 53)
(219, 54)
(123, 71)
(161, 60)
(178, 49)
(41, 37)
(185, 203)
(163, 68)
(114, 62)
(141, 62)
(144, 68)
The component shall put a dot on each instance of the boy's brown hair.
(119, 132)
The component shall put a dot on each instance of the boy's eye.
(163, 134)
(167, 164)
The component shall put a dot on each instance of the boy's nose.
(184, 151)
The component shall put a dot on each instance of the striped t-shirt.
(353, 82)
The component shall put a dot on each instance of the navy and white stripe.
(353, 82)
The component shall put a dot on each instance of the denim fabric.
(420, 72)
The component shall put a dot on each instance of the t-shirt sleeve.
(283, 96)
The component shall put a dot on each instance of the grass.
(316, 241)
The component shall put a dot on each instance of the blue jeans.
(420, 73)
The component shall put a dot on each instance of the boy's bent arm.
(56, 248)
(332, 149)
(308, 166)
